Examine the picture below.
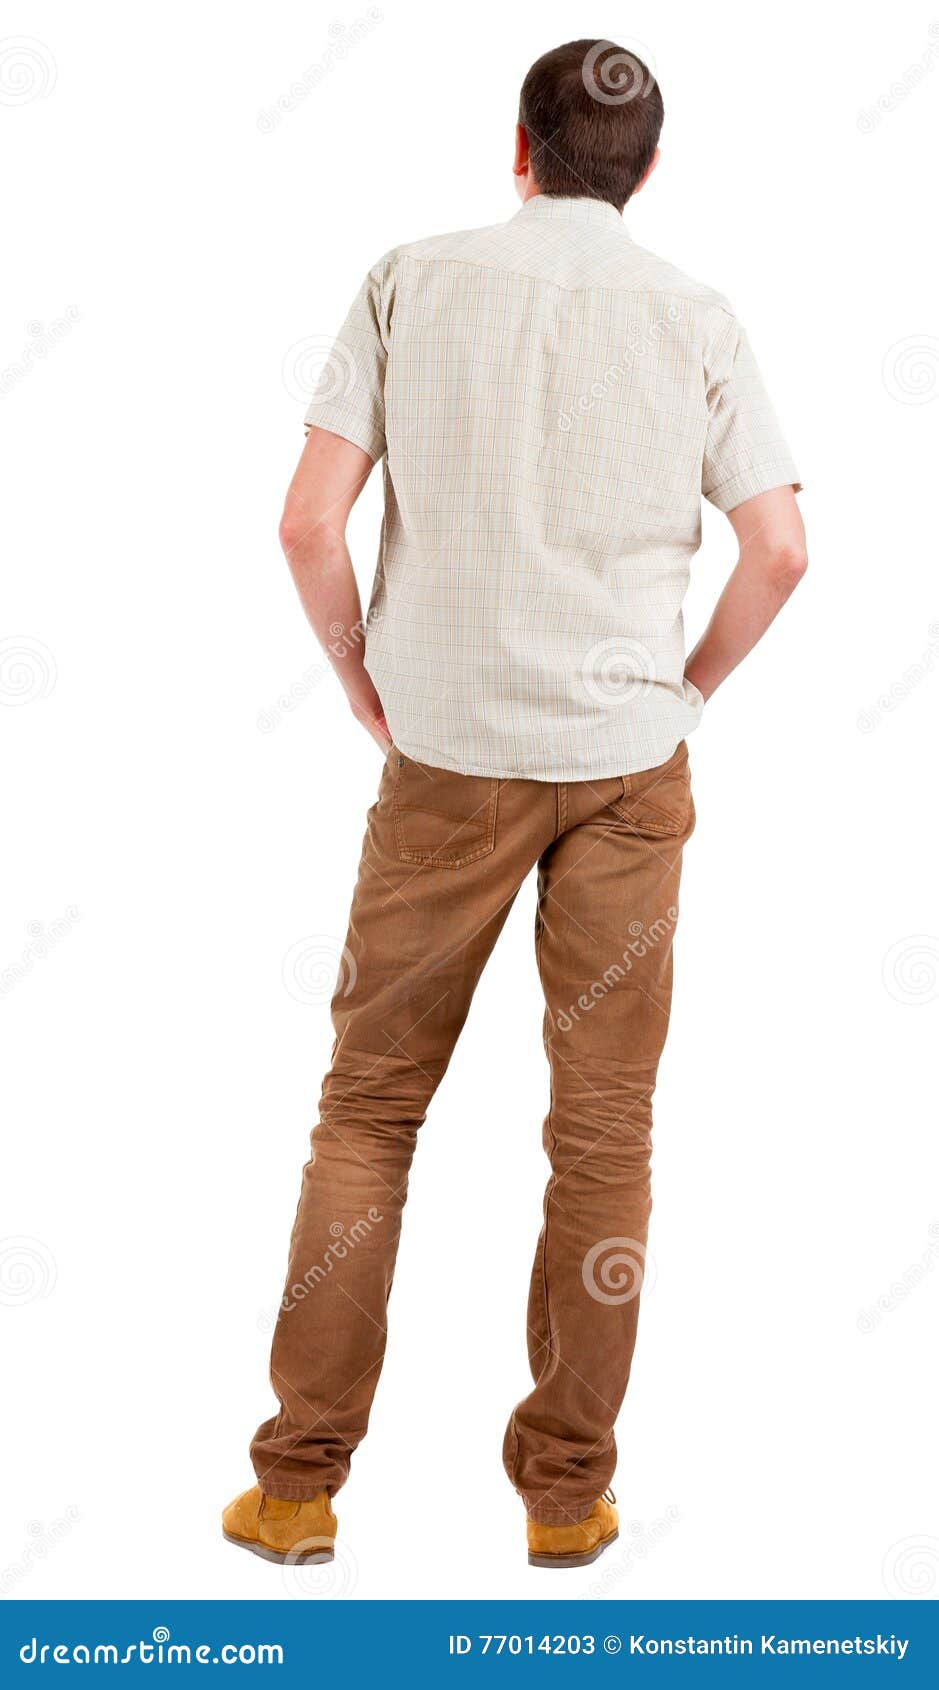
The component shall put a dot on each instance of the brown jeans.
(442, 861)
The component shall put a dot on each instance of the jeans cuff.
(551, 1514)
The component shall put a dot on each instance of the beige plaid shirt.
(551, 402)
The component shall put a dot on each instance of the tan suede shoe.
(574, 1546)
(281, 1531)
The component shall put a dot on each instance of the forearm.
(750, 602)
(322, 571)
(771, 564)
(329, 477)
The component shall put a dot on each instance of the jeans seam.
(550, 1126)
(561, 808)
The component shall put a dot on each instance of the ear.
(522, 159)
(655, 160)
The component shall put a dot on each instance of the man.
(550, 402)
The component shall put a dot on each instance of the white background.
(160, 1081)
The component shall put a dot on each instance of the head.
(589, 120)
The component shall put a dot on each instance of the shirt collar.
(582, 210)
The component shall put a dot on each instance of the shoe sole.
(286, 1557)
(573, 1560)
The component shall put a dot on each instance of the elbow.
(787, 564)
(307, 536)
(294, 527)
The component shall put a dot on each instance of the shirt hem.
(603, 769)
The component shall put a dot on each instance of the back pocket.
(442, 819)
(657, 802)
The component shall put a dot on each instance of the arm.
(772, 562)
(328, 480)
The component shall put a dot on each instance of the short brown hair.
(593, 114)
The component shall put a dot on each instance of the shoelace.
(609, 1495)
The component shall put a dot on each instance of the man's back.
(550, 403)
(553, 400)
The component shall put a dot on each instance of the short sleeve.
(350, 394)
(745, 453)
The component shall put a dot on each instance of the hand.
(374, 722)
(705, 692)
